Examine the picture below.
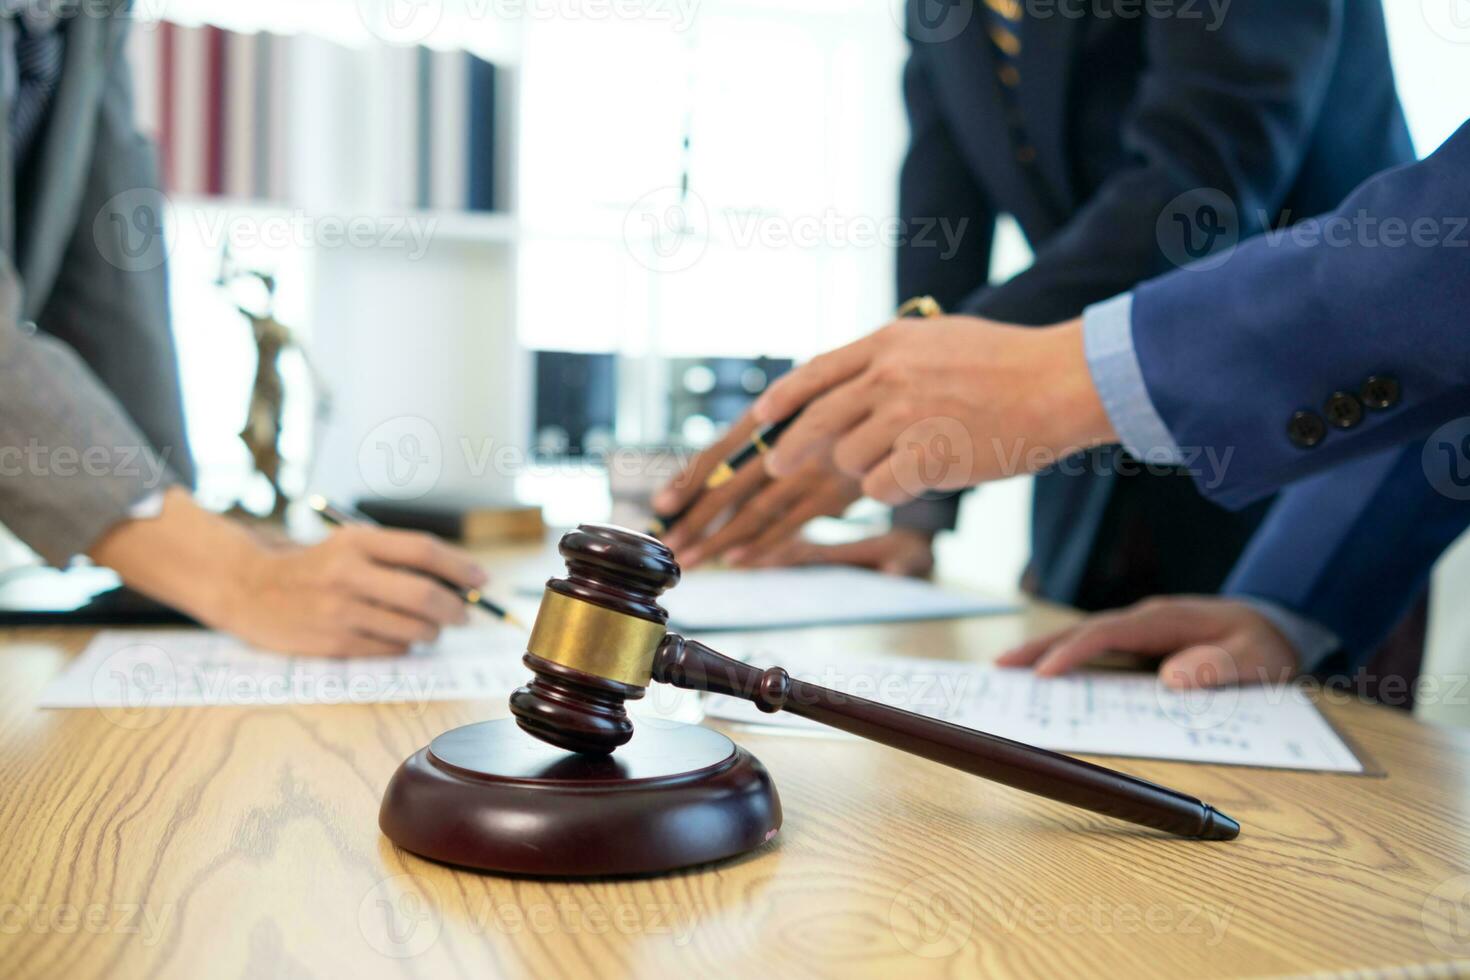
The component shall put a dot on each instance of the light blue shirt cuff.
(1107, 337)
(1312, 641)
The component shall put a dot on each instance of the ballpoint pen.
(341, 518)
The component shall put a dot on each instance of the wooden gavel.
(601, 637)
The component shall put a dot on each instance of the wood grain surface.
(243, 842)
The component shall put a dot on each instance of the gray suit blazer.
(91, 418)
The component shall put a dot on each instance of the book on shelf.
(449, 132)
(216, 44)
(473, 523)
(302, 121)
(482, 136)
(242, 115)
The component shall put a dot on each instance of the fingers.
(867, 445)
(355, 645)
(825, 421)
(908, 564)
(1251, 652)
(1147, 629)
(1201, 667)
(792, 552)
(826, 494)
(748, 480)
(1029, 652)
(689, 483)
(919, 459)
(795, 389)
(416, 596)
(859, 554)
(1206, 642)
(894, 553)
(423, 552)
(777, 534)
(341, 642)
(767, 507)
(881, 484)
(376, 623)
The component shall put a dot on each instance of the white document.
(126, 671)
(779, 598)
(1097, 713)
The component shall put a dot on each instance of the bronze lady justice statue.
(264, 417)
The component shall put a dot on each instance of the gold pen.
(763, 440)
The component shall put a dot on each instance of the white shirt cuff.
(148, 508)
(1107, 336)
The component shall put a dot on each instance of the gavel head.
(595, 636)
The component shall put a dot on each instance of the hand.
(938, 404)
(758, 513)
(900, 551)
(1206, 642)
(364, 591)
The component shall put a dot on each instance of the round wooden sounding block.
(491, 797)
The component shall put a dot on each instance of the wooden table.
(244, 842)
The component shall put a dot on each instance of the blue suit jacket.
(1282, 107)
(1283, 326)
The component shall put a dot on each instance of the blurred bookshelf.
(370, 171)
(323, 112)
(467, 25)
(298, 120)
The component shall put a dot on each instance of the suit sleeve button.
(1344, 410)
(1306, 429)
(1380, 392)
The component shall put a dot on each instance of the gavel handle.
(689, 664)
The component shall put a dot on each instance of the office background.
(533, 230)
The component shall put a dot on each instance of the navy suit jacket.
(1281, 107)
(1379, 288)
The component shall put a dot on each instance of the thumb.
(688, 483)
(867, 553)
(792, 391)
(802, 552)
(906, 565)
(1199, 667)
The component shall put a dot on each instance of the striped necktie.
(39, 52)
(1003, 27)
